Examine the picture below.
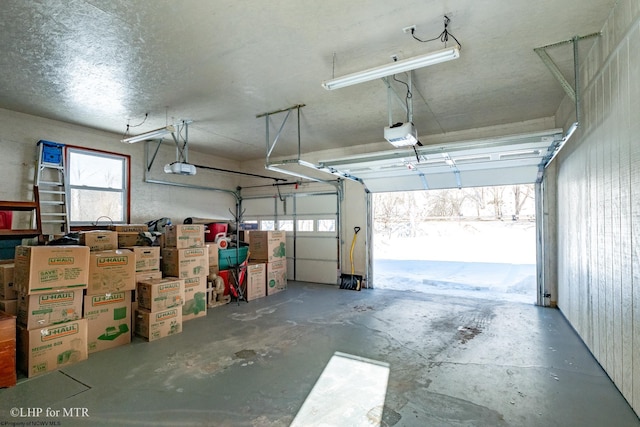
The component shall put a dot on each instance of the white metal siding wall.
(599, 206)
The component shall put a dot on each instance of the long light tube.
(393, 68)
(153, 134)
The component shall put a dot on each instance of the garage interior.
(253, 131)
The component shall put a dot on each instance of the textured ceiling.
(105, 64)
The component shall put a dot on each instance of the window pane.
(267, 225)
(285, 225)
(95, 171)
(89, 205)
(305, 225)
(326, 225)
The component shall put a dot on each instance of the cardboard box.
(213, 258)
(183, 236)
(111, 271)
(129, 228)
(185, 263)
(47, 349)
(147, 258)
(267, 246)
(108, 320)
(7, 287)
(9, 306)
(146, 275)
(99, 240)
(160, 294)
(256, 281)
(195, 298)
(53, 308)
(42, 269)
(130, 238)
(160, 324)
(276, 276)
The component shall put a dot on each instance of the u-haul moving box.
(52, 308)
(195, 298)
(160, 294)
(46, 349)
(256, 281)
(41, 269)
(99, 240)
(129, 228)
(267, 246)
(276, 276)
(111, 271)
(108, 320)
(160, 324)
(183, 236)
(147, 258)
(7, 286)
(185, 263)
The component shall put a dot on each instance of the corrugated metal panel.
(599, 211)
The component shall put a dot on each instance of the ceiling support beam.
(573, 93)
(278, 166)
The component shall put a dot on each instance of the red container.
(225, 276)
(215, 228)
(5, 220)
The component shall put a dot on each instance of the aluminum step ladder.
(51, 183)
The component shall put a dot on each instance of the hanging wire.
(407, 97)
(443, 37)
(126, 132)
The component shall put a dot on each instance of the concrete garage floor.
(452, 362)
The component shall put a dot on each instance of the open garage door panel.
(504, 161)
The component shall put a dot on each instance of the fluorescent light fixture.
(153, 134)
(393, 68)
(402, 135)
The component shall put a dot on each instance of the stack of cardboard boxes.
(107, 303)
(51, 331)
(185, 256)
(267, 271)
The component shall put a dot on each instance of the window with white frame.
(305, 225)
(267, 225)
(97, 187)
(326, 225)
(285, 225)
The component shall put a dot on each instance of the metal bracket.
(406, 103)
(182, 148)
(572, 92)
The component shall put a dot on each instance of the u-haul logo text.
(169, 287)
(112, 260)
(56, 298)
(191, 229)
(60, 331)
(196, 252)
(113, 298)
(62, 260)
(164, 315)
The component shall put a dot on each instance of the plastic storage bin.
(214, 229)
(231, 257)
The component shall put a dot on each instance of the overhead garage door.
(311, 223)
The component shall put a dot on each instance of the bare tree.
(496, 199)
(520, 195)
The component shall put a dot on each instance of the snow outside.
(473, 242)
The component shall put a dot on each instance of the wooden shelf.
(34, 206)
